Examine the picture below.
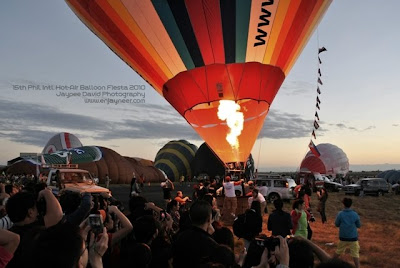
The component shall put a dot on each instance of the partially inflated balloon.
(197, 53)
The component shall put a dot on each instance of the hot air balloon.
(219, 63)
(331, 162)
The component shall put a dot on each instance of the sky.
(43, 43)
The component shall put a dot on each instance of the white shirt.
(260, 198)
(229, 188)
(263, 190)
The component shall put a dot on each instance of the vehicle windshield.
(76, 177)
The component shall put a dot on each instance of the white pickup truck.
(74, 180)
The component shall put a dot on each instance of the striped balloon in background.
(175, 159)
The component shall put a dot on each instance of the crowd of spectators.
(39, 229)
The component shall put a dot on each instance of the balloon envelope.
(198, 52)
(332, 160)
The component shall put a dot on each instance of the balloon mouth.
(205, 121)
(229, 111)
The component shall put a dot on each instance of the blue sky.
(44, 43)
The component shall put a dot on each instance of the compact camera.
(96, 223)
(267, 242)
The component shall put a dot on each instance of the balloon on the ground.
(209, 58)
(331, 162)
(175, 159)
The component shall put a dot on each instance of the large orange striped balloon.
(198, 52)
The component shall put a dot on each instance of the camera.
(96, 223)
(267, 242)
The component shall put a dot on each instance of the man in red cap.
(230, 201)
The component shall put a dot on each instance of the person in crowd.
(23, 212)
(256, 196)
(249, 224)
(215, 210)
(9, 242)
(322, 197)
(75, 206)
(167, 187)
(65, 245)
(107, 181)
(305, 194)
(348, 222)
(263, 189)
(195, 246)
(135, 188)
(300, 218)
(173, 210)
(280, 222)
(180, 199)
(230, 201)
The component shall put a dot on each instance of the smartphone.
(96, 223)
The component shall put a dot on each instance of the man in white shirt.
(264, 191)
(256, 196)
(230, 201)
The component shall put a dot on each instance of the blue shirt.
(348, 221)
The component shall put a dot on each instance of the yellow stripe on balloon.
(104, 36)
(314, 20)
(180, 156)
(290, 15)
(150, 24)
(256, 52)
(276, 29)
(137, 33)
(170, 165)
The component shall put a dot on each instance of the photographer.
(23, 212)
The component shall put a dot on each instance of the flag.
(316, 115)
(319, 81)
(313, 133)
(319, 71)
(314, 149)
(316, 125)
(317, 106)
(319, 102)
(319, 91)
(322, 49)
(320, 62)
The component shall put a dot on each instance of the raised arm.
(53, 208)
(126, 226)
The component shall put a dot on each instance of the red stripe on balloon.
(205, 17)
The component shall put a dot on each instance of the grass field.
(379, 235)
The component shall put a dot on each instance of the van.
(375, 186)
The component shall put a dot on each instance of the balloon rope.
(259, 151)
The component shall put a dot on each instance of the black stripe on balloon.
(182, 19)
(167, 170)
(228, 16)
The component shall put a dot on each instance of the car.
(324, 181)
(74, 180)
(278, 187)
(376, 186)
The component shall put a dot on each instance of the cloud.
(395, 125)
(296, 88)
(344, 126)
(36, 124)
